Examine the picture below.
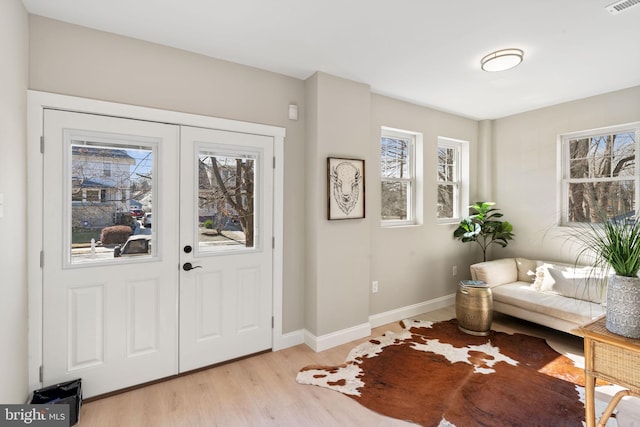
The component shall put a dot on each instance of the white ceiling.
(423, 51)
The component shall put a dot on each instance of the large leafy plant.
(484, 227)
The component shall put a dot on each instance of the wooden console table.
(610, 357)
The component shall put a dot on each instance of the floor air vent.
(621, 6)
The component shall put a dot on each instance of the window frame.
(461, 183)
(564, 167)
(415, 140)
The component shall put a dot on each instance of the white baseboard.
(337, 338)
(343, 336)
(411, 310)
(290, 339)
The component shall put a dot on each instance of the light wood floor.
(262, 391)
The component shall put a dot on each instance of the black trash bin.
(69, 393)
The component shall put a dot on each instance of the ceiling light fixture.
(501, 60)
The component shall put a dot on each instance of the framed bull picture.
(345, 188)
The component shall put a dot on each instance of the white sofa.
(559, 296)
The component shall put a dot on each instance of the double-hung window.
(453, 177)
(600, 178)
(398, 175)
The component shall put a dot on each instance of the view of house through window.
(111, 201)
(226, 199)
(397, 164)
(600, 178)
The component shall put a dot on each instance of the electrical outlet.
(455, 270)
(374, 286)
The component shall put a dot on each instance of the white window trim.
(462, 176)
(415, 202)
(563, 166)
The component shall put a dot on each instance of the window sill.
(449, 221)
(399, 225)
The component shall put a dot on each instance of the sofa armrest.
(496, 272)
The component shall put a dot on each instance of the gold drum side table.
(474, 307)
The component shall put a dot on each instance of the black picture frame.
(345, 188)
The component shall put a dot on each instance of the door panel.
(227, 197)
(110, 320)
(209, 305)
(86, 327)
(142, 317)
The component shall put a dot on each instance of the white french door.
(111, 321)
(117, 318)
(226, 294)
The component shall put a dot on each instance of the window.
(453, 176)
(398, 175)
(599, 174)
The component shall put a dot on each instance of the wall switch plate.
(374, 286)
(455, 270)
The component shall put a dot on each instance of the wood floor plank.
(262, 391)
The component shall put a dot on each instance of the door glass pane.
(227, 194)
(111, 200)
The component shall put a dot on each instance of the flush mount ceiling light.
(501, 60)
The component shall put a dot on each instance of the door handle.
(188, 266)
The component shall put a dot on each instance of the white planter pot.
(623, 306)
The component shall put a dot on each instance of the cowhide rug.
(434, 375)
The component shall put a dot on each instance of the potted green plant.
(484, 227)
(614, 244)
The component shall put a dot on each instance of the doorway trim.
(37, 102)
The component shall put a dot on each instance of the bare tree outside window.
(601, 177)
(226, 199)
(397, 177)
(452, 180)
(447, 182)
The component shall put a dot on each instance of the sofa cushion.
(572, 281)
(521, 295)
(526, 269)
(496, 272)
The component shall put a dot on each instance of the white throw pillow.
(570, 281)
(538, 282)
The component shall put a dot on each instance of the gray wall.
(526, 173)
(415, 264)
(338, 258)
(14, 43)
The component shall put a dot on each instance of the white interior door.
(112, 321)
(226, 229)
